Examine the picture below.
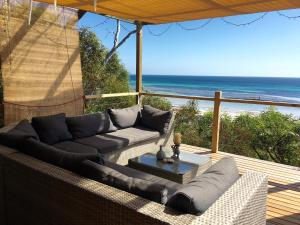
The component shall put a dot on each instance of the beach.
(277, 89)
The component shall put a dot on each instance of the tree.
(117, 44)
(98, 77)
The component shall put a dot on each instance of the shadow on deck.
(283, 206)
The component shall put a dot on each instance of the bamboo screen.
(40, 62)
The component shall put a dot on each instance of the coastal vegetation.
(99, 77)
(269, 135)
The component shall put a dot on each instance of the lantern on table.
(175, 147)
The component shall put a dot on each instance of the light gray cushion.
(200, 193)
(106, 143)
(147, 189)
(136, 134)
(74, 147)
(126, 117)
(156, 119)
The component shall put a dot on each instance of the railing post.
(216, 122)
(139, 36)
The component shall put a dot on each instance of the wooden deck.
(283, 207)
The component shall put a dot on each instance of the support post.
(216, 122)
(30, 13)
(139, 36)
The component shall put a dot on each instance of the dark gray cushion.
(52, 129)
(146, 189)
(126, 117)
(199, 194)
(156, 119)
(104, 143)
(58, 157)
(15, 137)
(135, 135)
(170, 185)
(90, 124)
(14, 141)
(107, 143)
(24, 127)
(74, 147)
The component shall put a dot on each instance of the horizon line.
(191, 75)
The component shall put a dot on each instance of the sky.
(268, 47)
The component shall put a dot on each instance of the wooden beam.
(216, 123)
(139, 37)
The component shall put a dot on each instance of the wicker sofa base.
(37, 193)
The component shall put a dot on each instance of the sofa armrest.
(244, 203)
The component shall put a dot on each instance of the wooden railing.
(217, 99)
(111, 95)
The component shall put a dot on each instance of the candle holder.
(175, 147)
(176, 151)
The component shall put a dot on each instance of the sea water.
(277, 89)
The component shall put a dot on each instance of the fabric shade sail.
(166, 11)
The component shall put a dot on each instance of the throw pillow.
(200, 193)
(15, 137)
(156, 119)
(52, 129)
(24, 128)
(90, 124)
(127, 117)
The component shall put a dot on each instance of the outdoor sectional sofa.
(39, 190)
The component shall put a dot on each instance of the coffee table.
(181, 171)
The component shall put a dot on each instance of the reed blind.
(40, 61)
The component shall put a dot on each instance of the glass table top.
(187, 162)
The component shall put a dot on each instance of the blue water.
(263, 88)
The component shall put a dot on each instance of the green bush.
(157, 102)
(269, 135)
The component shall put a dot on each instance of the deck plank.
(283, 204)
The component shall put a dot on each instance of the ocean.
(263, 88)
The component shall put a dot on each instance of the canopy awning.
(166, 11)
